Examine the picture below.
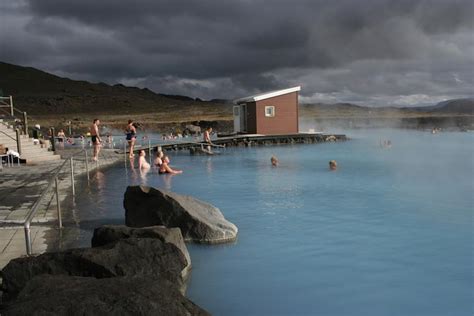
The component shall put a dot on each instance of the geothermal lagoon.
(389, 233)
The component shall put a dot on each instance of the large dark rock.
(127, 257)
(67, 295)
(112, 233)
(198, 221)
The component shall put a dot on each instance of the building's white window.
(269, 111)
(236, 110)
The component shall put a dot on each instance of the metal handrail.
(12, 112)
(54, 180)
(7, 135)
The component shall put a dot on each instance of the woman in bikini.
(131, 137)
(165, 168)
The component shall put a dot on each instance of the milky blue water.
(389, 233)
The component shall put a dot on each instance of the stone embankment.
(128, 270)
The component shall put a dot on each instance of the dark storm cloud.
(342, 50)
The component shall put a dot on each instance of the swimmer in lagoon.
(332, 165)
(207, 138)
(142, 163)
(274, 161)
(159, 159)
(165, 168)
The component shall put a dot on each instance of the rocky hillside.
(41, 93)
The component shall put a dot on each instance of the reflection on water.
(389, 233)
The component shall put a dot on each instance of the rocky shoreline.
(127, 270)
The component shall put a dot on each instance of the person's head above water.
(332, 164)
(274, 161)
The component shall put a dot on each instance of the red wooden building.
(270, 113)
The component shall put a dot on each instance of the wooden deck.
(248, 140)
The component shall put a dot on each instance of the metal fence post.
(125, 154)
(18, 141)
(28, 239)
(11, 105)
(53, 145)
(25, 123)
(72, 176)
(149, 149)
(87, 166)
(60, 221)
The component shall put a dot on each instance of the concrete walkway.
(21, 187)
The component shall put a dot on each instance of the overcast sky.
(369, 52)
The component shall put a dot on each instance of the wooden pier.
(246, 140)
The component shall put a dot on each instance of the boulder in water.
(112, 233)
(148, 257)
(70, 295)
(198, 221)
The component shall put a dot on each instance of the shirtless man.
(207, 138)
(131, 137)
(95, 137)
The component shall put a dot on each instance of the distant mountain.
(39, 92)
(458, 106)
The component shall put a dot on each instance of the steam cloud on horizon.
(371, 52)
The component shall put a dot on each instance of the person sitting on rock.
(165, 168)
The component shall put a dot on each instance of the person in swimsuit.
(95, 138)
(131, 137)
(142, 163)
(207, 138)
(61, 137)
(159, 159)
(332, 165)
(165, 168)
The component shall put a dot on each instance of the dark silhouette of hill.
(457, 106)
(39, 92)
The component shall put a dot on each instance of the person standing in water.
(207, 138)
(61, 137)
(95, 138)
(142, 163)
(131, 137)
